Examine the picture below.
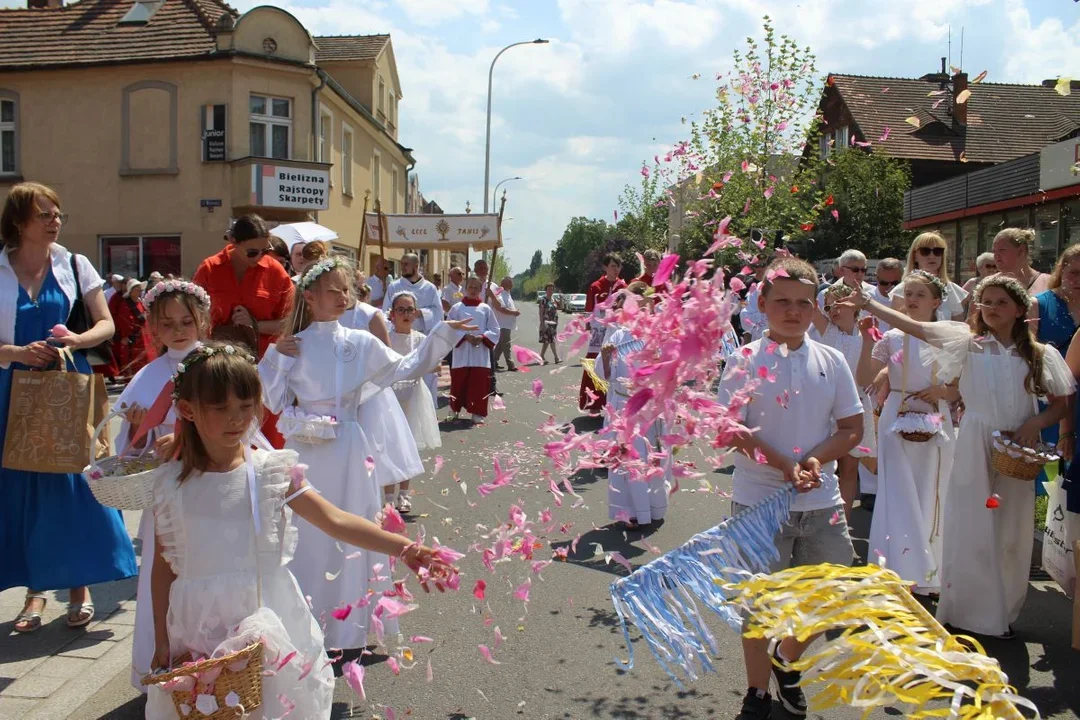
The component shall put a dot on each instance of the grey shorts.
(811, 538)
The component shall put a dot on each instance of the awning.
(438, 232)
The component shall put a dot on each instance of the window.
(1047, 223)
(843, 138)
(834, 141)
(141, 12)
(346, 159)
(392, 108)
(382, 97)
(138, 256)
(394, 191)
(376, 173)
(271, 127)
(326, 134)
(9, 134)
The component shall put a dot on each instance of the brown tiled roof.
(339, 48)
(87, 32)
(1004, 121)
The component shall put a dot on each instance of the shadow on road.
(609, 537)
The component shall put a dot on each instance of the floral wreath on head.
(172, 286)
(201, 354)
(1010, 285)
(333, 262)
(932, 279)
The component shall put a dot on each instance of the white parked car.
(576, 303)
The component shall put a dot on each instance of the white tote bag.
(1062, 528)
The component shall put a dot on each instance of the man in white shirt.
(453, 291)
(890, 272)
(428, 302)
(850, 268)
(378, 283)
(804, 416)
(507, 318)
(489, 296)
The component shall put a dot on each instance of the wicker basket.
(122, 482)
(1019, 463)
(246, 683)
(912, 436)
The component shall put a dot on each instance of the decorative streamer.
(914, 660)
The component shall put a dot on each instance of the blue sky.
(577, 117)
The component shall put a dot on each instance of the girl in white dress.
(637, 504)
(927, 253)
(414, 396)
(470, 372)
(836, 325)
(329, 372)
(178, 317)
(989, 516)
(224, 535)
(913, 477)
(383, 418)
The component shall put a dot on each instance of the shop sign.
(289, 187)
(214, 141)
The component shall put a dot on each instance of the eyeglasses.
(252, 254)
(988, 266)
(935, 251)
(856, 270)
(405, 311)
(48, 217)
(887, 283)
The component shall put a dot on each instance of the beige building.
(158, 121)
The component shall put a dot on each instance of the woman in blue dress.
(1056, 310)
(53, 533)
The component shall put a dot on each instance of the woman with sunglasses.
(927, 253)
(248, 289)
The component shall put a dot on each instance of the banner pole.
(362, 260)
(382, 230)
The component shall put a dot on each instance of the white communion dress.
(850, 346)
(987, 552)
(143, 391)
(207, 531)
(913, 477)
(414, 396)
(337, 370)
(642, 500)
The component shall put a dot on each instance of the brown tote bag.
(51, 419)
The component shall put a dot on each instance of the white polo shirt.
(820, 390)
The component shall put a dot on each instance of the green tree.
(536, 262)
(743, 157)
(534, 286)
(582, 236)
(863, 206)
(644, 220)
(501, 269)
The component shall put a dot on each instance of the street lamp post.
(487, 142)
(495, 192)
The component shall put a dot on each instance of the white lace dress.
(355, 366)
(913, 477)
(987, 552)
(207, 531)
(414, 396)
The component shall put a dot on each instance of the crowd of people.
(275, 361)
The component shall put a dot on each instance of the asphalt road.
(558, 659)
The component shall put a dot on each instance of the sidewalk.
(48, 674)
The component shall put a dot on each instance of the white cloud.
(640, 26)
(1043, 51)
(436, 12)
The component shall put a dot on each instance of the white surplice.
(428, 301)
(483, 317)
(643, 501)
(143, 392)
(987, 552)
(415, 397)
(354, 365)
(913, 478)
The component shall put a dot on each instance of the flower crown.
(171, 286)
(325, 265)
(201, 354)
(1009, 285)
(930, 278)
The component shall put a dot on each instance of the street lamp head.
(540, 41)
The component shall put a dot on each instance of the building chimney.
(44, 4)
(959, 110)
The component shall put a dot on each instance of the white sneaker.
(404, 505)
(478, 419)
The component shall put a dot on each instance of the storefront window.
(969, 249)
(948, 231)
(1045, 252)
(989, 226)
(135, 256)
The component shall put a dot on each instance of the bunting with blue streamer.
(659, 598)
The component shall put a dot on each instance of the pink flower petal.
(663, 271)
(525, 356)
(353, 672)
(485, 651)
(341, 613)
(392, 521)
(478, 589)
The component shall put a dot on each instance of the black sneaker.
(754, 707)
(788, 691)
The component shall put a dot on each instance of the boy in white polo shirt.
(805, 413)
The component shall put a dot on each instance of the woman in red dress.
(590, 398)
(129, 342)
(248, 288)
